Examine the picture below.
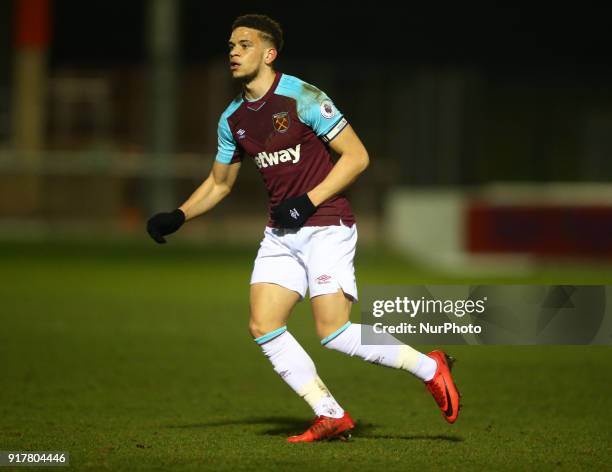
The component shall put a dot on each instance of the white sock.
(399, 356)
(295, 366)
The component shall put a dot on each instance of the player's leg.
(331, 313)
(332, 254)
(331, 317)
(277, 284)
(270, 307)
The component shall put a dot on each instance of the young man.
(286, 127)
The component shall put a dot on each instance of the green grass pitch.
(137, 357)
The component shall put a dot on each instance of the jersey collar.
(256, 105)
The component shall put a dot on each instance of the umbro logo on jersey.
(241, 133)
(268, 159)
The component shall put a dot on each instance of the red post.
(32, 36)
(33, 25)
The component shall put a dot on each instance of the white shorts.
(318, 258)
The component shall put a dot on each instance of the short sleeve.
(319, 112)
(315, 109)
(227, 151)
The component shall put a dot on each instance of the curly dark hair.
(270, 29)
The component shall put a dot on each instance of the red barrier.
(539, 229)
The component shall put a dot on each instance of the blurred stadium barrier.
(100, 192)
(508, 224)
(103, 193)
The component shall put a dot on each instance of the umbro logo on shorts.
(323, 279)
(294, 213)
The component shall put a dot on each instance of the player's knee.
(323, 331)
(259, 328)
(254, 329)
(330, 328)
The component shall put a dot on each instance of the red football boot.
(324, 427)
(442, 387)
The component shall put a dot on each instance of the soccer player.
(286, 127)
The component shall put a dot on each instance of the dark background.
(529, 81)
(498, 40)
(442, 97)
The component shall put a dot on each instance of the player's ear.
(270, 55)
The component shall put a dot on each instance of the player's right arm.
(214, 189)
(223, 174)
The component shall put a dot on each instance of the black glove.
(293, 212)
(162, 224)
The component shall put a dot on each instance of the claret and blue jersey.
(286, 133)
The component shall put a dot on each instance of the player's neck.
(258, 87)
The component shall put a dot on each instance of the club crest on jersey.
(281, 121)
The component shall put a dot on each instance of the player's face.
(247, 53)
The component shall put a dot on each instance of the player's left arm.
(353, 161)
(331, 127)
